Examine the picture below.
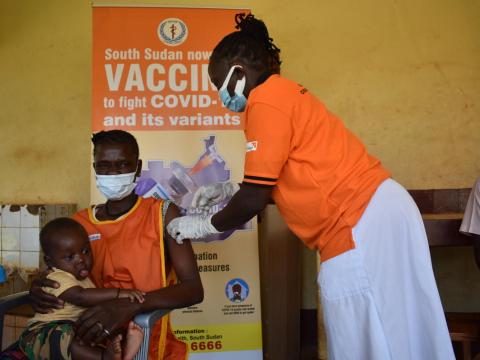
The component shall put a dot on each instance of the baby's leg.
(113, 351)
(133, 341)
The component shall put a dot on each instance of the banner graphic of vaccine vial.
(150, 77)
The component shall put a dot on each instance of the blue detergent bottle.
(3, 275)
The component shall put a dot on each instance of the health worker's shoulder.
(277, 90)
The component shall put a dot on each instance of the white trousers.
(380, 300)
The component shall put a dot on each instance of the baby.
(66, 246)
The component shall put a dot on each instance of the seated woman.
(132, 250)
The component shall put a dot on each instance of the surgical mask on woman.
(238, 101)
(116, 187)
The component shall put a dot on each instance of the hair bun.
(247, 24)
(251, 44)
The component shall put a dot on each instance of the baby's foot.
(114, 349)
(134, 339)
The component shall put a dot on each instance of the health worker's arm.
(269, 141)
(268, 136)
(247, 202)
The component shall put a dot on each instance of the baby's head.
(66, 247)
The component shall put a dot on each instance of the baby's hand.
(133, 295)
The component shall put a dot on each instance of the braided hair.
(251, 43)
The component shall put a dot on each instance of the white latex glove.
(208, 195)
(191, 227)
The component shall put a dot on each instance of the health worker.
(377, 287)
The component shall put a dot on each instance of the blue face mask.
(238, 101)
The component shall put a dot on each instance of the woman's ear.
(239, 72)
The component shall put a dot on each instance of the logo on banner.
(237, 290)
(172, 31)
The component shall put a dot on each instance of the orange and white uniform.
(129, 253)
(379, 296)
(323, 174)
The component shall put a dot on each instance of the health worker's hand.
(41, 301)
(208, 195)
(191, 227)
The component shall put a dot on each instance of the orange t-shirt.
(323, 175)
(129, 253)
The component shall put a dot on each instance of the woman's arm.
(188, 291)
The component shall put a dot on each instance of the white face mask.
(116, 187)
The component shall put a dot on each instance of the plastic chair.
(146, 321)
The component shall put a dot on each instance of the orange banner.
(150, 69)
(150, 74)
